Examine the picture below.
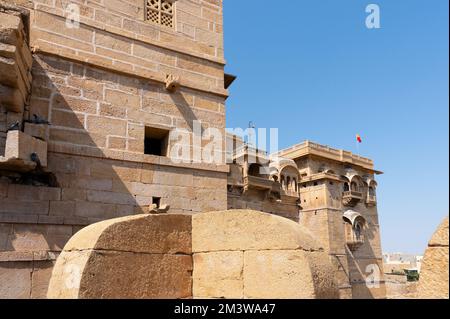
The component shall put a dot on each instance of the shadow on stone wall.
(362, 264)
(93, 115)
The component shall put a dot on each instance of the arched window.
(283, 182)
(346, 187)
(255, 170)
(371, 191)
(358, 231)
(354, 187)
(288, 183)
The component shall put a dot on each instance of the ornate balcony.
(371, 200)
(351, 198)
(259, 183)
(354, 229)
(354, 243)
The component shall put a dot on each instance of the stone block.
(40, 237)
(12, 98)
(15, 279)
(11, 29)
(110, 197)
(122, 99)
(33, 193)
(62, 208)
(277, 274)
(145, 256)
(5, 233)
(219, 275)
(95, 210)
(147, 276)
(40, 279)
(434, 276)
(37, 131)
(219, 231)
(156, 234)
(20, 146)
(68, 119)
(24, 207)
(106, 126)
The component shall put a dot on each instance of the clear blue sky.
(312, 69)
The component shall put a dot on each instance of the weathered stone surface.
(35, 130)
(67, 274)
(219, 275)
(20, 146)
(152, 234)
(107, 274)
(10, 28)
(144, 256)
(278, 274)
(248, 230)
(440, 237)
(221, 239)
(15, 280)
(287, 274)
(434, 280)
(41, 275)
(324, 276)
(136, 276)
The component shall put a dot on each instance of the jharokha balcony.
(355, 243)
(351, 198)
(371, 200)
(259, 183)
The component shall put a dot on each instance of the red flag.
(358, 138)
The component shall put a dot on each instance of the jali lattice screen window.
(160, 12)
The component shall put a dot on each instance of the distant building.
(397, 263)
(331, 192)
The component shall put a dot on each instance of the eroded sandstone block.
(278, 274)
(249, 254)
(433, 282)
(234, 254)
(219, 274)
(143, 256)
(248, 230)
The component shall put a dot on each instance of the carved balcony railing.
(351, 198)
(290, 193)
(354, 244)
(259, 183)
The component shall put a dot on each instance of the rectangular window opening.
(156, 201)
(156, 141)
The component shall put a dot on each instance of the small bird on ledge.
(14, 127)
(38, 120)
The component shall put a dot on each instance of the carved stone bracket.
(172, 83)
